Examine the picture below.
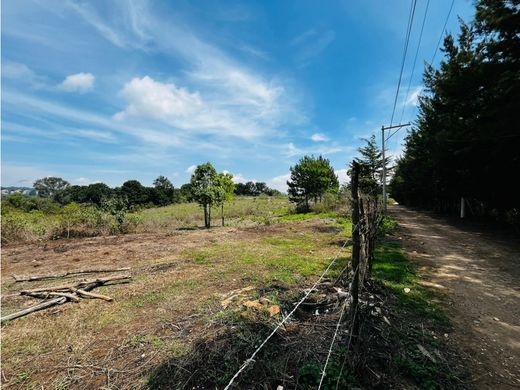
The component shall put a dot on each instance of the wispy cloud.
(21, 73)
(292, 150)
(311, 43)
(96, 135)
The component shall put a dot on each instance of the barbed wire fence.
(367, 216)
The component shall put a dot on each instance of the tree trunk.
(209, 216)
(222, 212)
(206, 216)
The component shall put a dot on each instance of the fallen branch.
(45, 295)
(66, 274)
(86, 285)
(32, 309)
(93, 295)
(66, 293)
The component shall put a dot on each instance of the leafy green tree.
(163, 191)
(310, 179)
(371, 166)
(135, 193)
(70, 215)
(226, 188)
(47, 187)
(116, 205)
(94, 193)
(184, 194)
(204, 187)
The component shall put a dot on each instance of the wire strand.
(253, 355)
(334, 337)
(407, 40)
(415, 60)
(442, 32)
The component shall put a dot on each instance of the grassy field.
(241, 211)
(88, 221)
(171, 312)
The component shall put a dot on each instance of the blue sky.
(117, 90)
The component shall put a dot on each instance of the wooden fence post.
(356, 242)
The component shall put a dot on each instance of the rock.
(496, 319)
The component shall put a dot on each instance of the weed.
(200, 259)
(310, 375)
(395, 271)
(422, 314)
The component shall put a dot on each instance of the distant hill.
(27, 191)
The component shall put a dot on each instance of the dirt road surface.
(479, 273)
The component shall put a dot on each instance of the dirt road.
(480, 275)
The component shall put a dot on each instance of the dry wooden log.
(93, 295)
(67, 292)
(66, 274)
(32, 309)
(45, 295)
(84, 285)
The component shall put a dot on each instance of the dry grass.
(172, 302)
(241, 211)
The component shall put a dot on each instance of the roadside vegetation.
(418, 342)
(465, 141)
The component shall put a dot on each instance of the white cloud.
(165, 101)
(343, 178)
(79, 82)
(319, 137)
(226, 112)
(83, 181)
(239, 178)
(279, 182)
(413, 98)
(235, 99)
(191, 169)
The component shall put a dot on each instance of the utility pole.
(383, 179)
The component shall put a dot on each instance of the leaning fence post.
(356, 242)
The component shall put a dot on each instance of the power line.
(415, 60)
(442, 32)
(434, 53)
(407, 40)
